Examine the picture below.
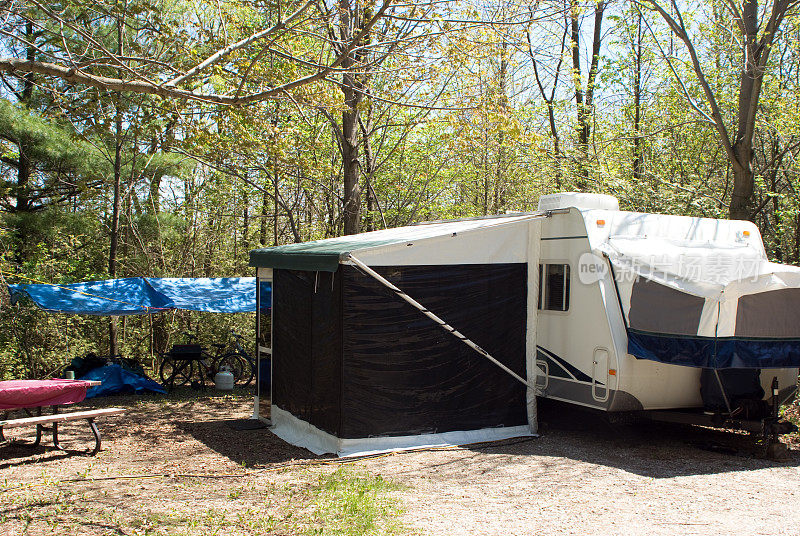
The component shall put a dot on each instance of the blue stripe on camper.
(569, 368)
(713, 352)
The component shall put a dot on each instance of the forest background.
(168, 138)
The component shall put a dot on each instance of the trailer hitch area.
(773, 427)
(781, 428)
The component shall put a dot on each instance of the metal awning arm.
(447, 327)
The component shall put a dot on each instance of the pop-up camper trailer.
(445, 332)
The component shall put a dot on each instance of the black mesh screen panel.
(326, 352)
(403, 374)
(307, 346)
(291, 340)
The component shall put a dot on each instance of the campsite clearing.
(176, 465)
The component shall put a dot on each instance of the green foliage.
(61, 163)
(201, 185)
(350, 502)
(53, 147)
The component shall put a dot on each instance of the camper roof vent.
(578, 200)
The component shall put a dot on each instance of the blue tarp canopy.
(145, 295)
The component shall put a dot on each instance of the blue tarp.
(117, 380)
(145, 295)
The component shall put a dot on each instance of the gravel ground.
(584, 477)
(580, 477)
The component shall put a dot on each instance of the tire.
(174, 373)
(249, 371)
(239, 366)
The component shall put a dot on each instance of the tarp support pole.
(447, 327)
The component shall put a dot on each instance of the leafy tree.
(45, 163)
(755, 28)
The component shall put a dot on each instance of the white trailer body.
(592, 328)
(583, 352)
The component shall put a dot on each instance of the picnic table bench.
(37, 394)
(41, 420)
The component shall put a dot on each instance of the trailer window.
(554, 287)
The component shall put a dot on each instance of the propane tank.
(224, 379)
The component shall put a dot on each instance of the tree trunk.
(756, 44)
(353, 90)
(637, 102)
(751, 79)
(23, 179)
(245, 220)
(499, 198)
(350, 163)
(24, 169)
(113, 342)
(275, 179)
(262, 231)
(776, 239)
(582, 129)
(743, 182)
(369, 163)
(551, 116)
(797, 238)
(584, 97)
(154, 200)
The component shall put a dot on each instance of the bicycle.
(240, 363)
(186, 363)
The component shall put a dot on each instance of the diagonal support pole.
(447, 327)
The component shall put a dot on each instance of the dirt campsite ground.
(187, 464)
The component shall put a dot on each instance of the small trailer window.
(554, 287)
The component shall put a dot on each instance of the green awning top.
(317, 255)
(325, 255)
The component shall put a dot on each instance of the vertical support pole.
(152, 343)
(97, 443)
(271, 341)
(531, 353)
(722, 390)
(258, 347)
(55, 431)
(39, 429)
(776, 406)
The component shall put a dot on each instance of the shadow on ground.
(245, 445)
(649, 449)
(655, 450)
(16, 454)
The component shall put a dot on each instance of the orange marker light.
(601, 223)
(746, 234)
(612, 372)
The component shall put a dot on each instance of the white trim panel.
(502, 243)
(302, 434)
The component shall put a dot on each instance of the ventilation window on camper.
(554, 287)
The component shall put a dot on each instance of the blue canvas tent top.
(146, 295)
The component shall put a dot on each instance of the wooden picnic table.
(33, 395)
